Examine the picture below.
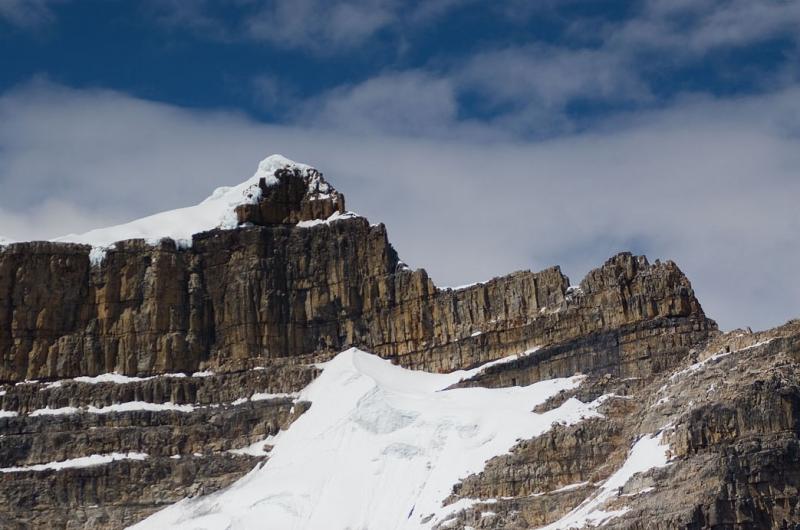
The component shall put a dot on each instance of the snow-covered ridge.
(216, 211)
(380, 447)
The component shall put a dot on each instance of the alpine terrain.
(265, 360)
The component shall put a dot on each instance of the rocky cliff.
(171, 363)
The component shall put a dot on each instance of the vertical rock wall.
(239, 297)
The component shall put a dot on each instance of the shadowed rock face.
(256, 306)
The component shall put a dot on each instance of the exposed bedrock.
(217, 337)
(730, 418)
(115, 495)
(239, 298)
(87, 454)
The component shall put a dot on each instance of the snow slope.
(217, 211)
(380, 448)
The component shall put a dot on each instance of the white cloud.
(703, 25)
(538, 82)
(28, 14)
(316, 26)
(319, 25)
(710, 183)
(398, 103)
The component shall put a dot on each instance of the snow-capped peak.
(216, 211)
(270, 165)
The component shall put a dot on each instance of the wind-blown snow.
(217, 211)
(83, 461)
(380, 448)
(5, 241)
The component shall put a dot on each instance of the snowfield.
(380, 448)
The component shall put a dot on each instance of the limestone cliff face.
(272, 289)
(264, 292)
(730, 414)
(216, 338)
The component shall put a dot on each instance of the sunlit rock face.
(165, 358)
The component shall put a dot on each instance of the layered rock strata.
(106, 452)
(729, 415)
(209, 343)
(239, 297)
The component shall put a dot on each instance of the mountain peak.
(281, 191)
(285, 192)
(273, 163)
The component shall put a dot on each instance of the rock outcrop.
(210, 342)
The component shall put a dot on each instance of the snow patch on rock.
(83, 461)
(335, 216)
(649, 452)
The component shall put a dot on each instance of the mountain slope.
(142, 372)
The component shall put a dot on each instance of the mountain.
(265, 359)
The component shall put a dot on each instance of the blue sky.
(489, 136)
(569, 63)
